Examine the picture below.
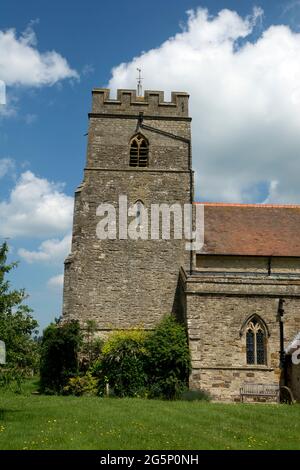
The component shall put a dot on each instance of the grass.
(54, 422)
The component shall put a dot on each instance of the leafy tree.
(59, 356)
(16, 322)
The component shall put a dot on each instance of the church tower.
(138, 147)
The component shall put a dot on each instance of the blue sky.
(241, 69)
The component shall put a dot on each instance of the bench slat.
(259, 390)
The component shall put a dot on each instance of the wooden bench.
(259, 391)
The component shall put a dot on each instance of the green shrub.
(92, 345)
(122, 363)
(168, 362)
(12, 378)
(90, 353)
(82, 385)
(59, 356)
(136, 363)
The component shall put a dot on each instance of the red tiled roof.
(251, 229)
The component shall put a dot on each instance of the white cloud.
(30, 118)
(87, 70)
(6, 166)
(9, 109)
(2, 93)
(36, 208)
(50, 251)
(22, 64)
(56, 282)
(245, 103)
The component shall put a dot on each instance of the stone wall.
(232, 263)
(252, 264)
(152, 103)
(109, 138)
(217, 308)
(121, 283)
(124, 283)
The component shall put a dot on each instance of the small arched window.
(139, 207)
(255, 342)
(139, 151)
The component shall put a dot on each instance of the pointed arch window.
(256, 342)
(139, 151)
(139, 207)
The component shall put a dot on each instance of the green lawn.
(49, 422)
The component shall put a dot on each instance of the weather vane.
(139, 83)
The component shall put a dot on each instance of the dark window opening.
(139, 151)
(255, 343)
(250, 347)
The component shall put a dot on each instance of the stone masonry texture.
(250, 257)
(126, 283)
(217, 308)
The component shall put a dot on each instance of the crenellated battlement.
(152, 103)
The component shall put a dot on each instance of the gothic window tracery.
(255, 342)
(139, 151)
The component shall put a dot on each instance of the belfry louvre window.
(139, 151)
(255, 343)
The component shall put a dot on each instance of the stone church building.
(227, 292)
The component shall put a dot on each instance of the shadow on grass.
(6, 411)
